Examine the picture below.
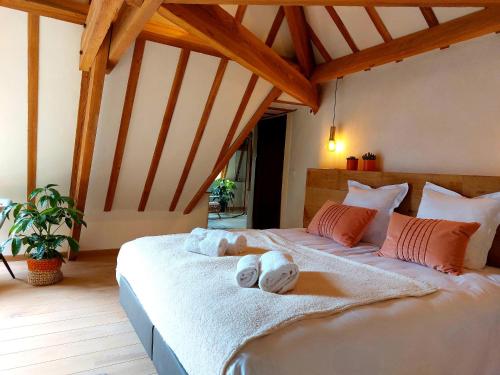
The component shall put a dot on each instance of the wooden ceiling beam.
(69, 11)
(287, 102)
(99, 18)
(379, 3)
(379, 24)
(130, 23)
(342, 28)
(318, 44)
(90, 122)
(458, 30)
(219, 75)
(271, 37)
(165, 127)
(430, 16)
(33, 74)
(297, 25)
(249, 126)
(128, 105)
(219, 29)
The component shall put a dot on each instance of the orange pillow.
(343, 224)
(439, 244)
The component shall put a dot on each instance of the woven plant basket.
(44, 272)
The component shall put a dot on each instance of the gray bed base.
(163, 357)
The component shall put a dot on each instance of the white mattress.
(454, 331)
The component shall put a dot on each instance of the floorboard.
(74, 327)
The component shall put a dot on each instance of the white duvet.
(454, 331)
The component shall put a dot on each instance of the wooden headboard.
(324, 184)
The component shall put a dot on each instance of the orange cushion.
(439, 244)
(343, 224)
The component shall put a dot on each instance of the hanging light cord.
(335, 101)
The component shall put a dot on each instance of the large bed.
(455, 330)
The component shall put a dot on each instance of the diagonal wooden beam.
(379, 24)
(300, 37)
(199, 132)
(430, 16)
(99, 18)
(128, 26)
(454, 31)
(33, 73)
(271, 37)
(342, 28)
(249, 126)
(395, 3)
(165, 127)
(92, 109)
(128, 104)
(84, 88)
(219, 29)
(318, 44)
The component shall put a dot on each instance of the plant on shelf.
(36, 226)
(369, 162)
(352, 163)
(223, 192)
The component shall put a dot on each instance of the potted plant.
(36, 226)
(369, 162)
(223, 192)
(352, 163)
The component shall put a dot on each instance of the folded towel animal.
(247, 271)
(213, 246)
(237, 242)
(278, 273)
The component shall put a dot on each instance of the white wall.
(438, 112)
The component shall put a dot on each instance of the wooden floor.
(74, 327)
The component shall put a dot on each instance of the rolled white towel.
(278, 273)
(237, 242)
(213, 245)
(192, 243)
(247, 271)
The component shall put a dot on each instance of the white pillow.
(440, 203)
(384, 199)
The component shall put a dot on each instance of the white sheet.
(453, 331)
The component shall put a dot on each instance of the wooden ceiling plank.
(297, 25)
(287, 102)
(240, 13)
(33, 74)
(389, 3)
(430, 16)
(128, 104)
(69, 11)
(318, 44)
(92, 109)
(379, 24)
(82, 103)
(342, 28)
(165, 126)
(271, 37)
(130, 23)
(99, 18)
(218, 28)
(458, 30)
(219, 75)
(249, 126)
(135, 3)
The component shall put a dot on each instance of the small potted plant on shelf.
(352, 163)
(369, 162)
(223, 192)
(36, 226)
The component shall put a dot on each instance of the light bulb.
(331, 145)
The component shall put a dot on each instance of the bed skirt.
(163, 357)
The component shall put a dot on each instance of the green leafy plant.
(369, 156)
(37, 222)
(352, 158)
(223, 192)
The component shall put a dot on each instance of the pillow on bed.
(494, 254)
(439, 244)
(384, 199)
(440, 203)
(343, 224)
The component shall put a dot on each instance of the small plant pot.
(352, 165)
(369, 165)
(44, 272)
